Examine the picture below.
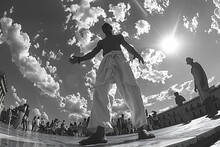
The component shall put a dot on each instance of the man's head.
(176, 93)
(107, 28)
(189, 60)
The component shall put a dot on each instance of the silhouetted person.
(155, 120)
(4, 115)
(21, 112)
(114, 68)
(25, 118)
(36, 126)
(34, 122)
(9, 113)
(119, 126)
(201, 84)
(179, 99)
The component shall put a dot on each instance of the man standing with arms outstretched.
(114, 68)
(201, 84)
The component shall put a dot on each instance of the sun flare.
(169, 45)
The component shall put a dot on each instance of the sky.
(38, 36)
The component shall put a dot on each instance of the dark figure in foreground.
(179, 99)
(201, 84)
(114, 68)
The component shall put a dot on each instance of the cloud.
(148, 71)
(146, 100)
(75, 117)
(154, 6)
(36, 112)
(120, 11)
(84, 15)
(165, 109)
(51, 69)
(85, 41)
(192, 26)
(216, 17)
(55, 56)
(142, 27)
(45, 116)
(125, 34)
(28, 65)
(75, 104)
(71, 41)
(18, 101)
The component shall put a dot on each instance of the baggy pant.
(115, 69)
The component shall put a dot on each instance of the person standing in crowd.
(114, 68)
(80, 127)
(150, 122)
(25, 118)
(21, 112)
(33, 123)
(129, 124)
(119, 126)
(37, 124)
(155, 120)
(84, 125)
(201, 84)
(62, 128)
(9, 115)
(122, 119)
(179, 99)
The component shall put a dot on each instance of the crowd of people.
(19, 117)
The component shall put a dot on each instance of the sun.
(169, 45)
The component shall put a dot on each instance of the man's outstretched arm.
(131, 50)
(90, 55)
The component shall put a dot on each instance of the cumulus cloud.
(120, 11)
(142, 27)
(77, 117)
(71, 41)
(18, 101)
(85, 41)
(84, 15)
(75, 106)
(55, 56)
(154, 6)
(148, 71)
(125, 34)
(28, 65)
(165, 109)
(45, 116)
(192, 26)
(36, 112)
(36, 45)
(216, 17)
(50, 68)
(119, 105)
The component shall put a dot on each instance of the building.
(3, 89)
(193, 107)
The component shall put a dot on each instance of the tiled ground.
(178, 135)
